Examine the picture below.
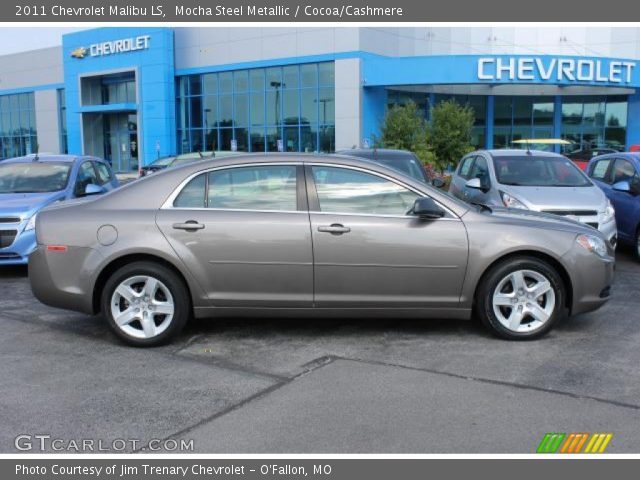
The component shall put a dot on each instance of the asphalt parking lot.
(292, 386)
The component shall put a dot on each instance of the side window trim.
(301, 206)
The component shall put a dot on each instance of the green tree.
(450, 132)
(405, 128)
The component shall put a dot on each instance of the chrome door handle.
(334, 229)
(189, 226)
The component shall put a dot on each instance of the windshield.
(407, 165)
(532, 171)
(163, 162)
(33, 177)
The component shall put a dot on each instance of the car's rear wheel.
(145, 304)
(521, 298)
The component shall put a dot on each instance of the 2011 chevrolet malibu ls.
(302, 235)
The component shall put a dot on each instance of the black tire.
(492, 279)
(177, 289)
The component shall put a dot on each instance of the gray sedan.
(534, 180)
(298, 235)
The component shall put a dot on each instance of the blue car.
(618, 174)
(28, 184)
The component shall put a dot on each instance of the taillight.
(56, 248)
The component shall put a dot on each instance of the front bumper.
(591, 278)
(23, 245)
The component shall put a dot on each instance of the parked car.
(619, 177)
(28, 184)
(401, 160)
(534, 180)
(176, 160)
(310, 235)
(582, 157)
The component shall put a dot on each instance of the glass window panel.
(502, 111)
(226, 110)
(273, 106)
(195, 85)
(521, 111)
(241, 136)
(13, 99)
(543, 111)
(599, 169)
(241, 109)
(326, 73)
(257, 108)
(192, 195)
(196, 112)
(254, 188)
(291, 140)
(210, 81)
(309, 75)
(257, 140)
(256, 79)
(182, 113)
(327, 105)
(225, 82)
(616, 137)
(211, 140)
(273, 134)
(183, 141)
(327, 138)
(593, 113)
(24, 121)
(197, 144)
(309, 106)
(343, 190)
(131, 92)
(24, 101)
(226, 135)
(571, 113)
(291, 107)
(309, 138)
(274, 77)
(616, 114)
(241, 81)
(210, 111)
(290, 75)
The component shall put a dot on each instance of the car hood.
(535, 219)
(26, 204)
(559, 198)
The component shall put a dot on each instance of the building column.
(490, 120)
(47, 121)
(348, 103)
(374, 108)
(633, 120)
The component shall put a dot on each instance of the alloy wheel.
(523, 301)
(142, 306)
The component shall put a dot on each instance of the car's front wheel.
(145, 304)
(521, 298)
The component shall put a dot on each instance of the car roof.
(373, 152)
(518, 153)
(628, 155)
(46, 158)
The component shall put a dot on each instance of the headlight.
(31, 224)
(609, 212)
(512, 202)
(593, 244)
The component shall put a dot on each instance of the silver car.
(297, 235)
(534, 180)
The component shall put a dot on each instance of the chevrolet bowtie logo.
(79, 52)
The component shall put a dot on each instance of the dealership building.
(132, 95)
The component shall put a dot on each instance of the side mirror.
(93, 189)
(622, 186)
(426, 209)
(438, 183)
(474, 183)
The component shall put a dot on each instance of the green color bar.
(550, 443)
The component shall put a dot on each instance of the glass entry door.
(121, 141)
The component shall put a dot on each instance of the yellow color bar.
(598, 442)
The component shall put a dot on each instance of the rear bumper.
(591, 278)
(72, 286)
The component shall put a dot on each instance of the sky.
(21, 39)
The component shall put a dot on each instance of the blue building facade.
(132, 95)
